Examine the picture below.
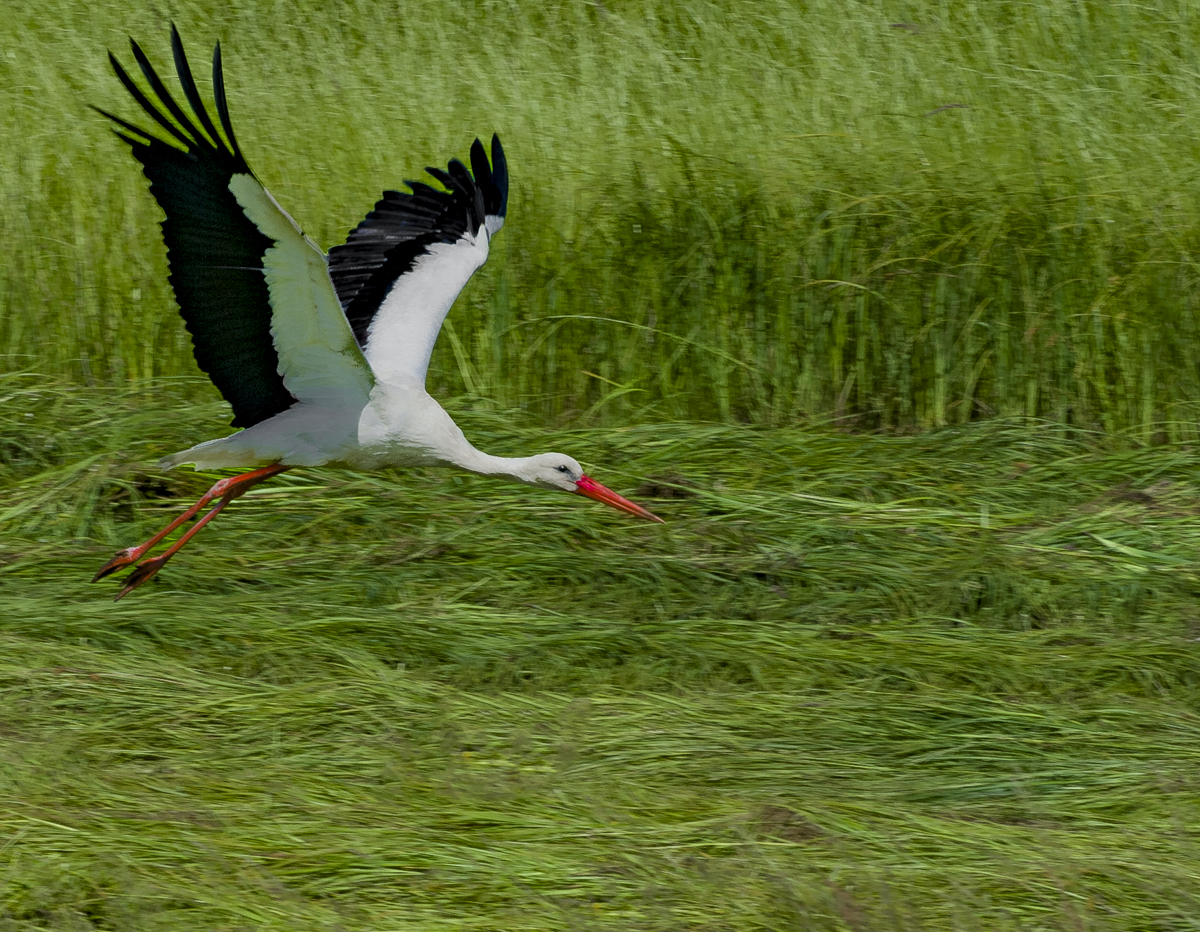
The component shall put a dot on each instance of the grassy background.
(858, 681)
(909, 214)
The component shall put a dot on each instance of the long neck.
(411, 422)
(468, 457)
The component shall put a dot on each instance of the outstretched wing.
(253, 290)
(400, 270)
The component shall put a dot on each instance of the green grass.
(767, 213)
(859, 681)
(947, 681)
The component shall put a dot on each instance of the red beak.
(593, 489)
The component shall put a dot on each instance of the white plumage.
(401, 338)
(323, 358)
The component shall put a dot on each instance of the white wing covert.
(318, 357)
(400, 270)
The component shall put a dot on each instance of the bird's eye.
(562, 469)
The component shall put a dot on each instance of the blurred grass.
(892, 214)
(947, 681)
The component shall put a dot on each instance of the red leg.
(226, 490)
(147, 569)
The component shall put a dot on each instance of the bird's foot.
(142, 573)
(124, 558)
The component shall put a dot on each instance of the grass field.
(909, 214)
(865, 678)
(939, 682)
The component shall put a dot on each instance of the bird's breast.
(402, 425)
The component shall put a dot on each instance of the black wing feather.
(160, 91)
(215, 251)
(146, 137)
(403, 225)
(188, 83)
(222, 105)
(498, 190)
(136, 93)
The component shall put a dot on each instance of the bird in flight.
(322, 357)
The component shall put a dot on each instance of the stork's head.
(559, 471)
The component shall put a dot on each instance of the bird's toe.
(122, 559)
(142, 573)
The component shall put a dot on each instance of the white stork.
(322, 358)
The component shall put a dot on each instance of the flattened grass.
(946, 681)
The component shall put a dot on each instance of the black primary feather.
(214, 250)
(222, 105)
(188, 83)
(403, 225)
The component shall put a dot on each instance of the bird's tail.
(196, 456)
